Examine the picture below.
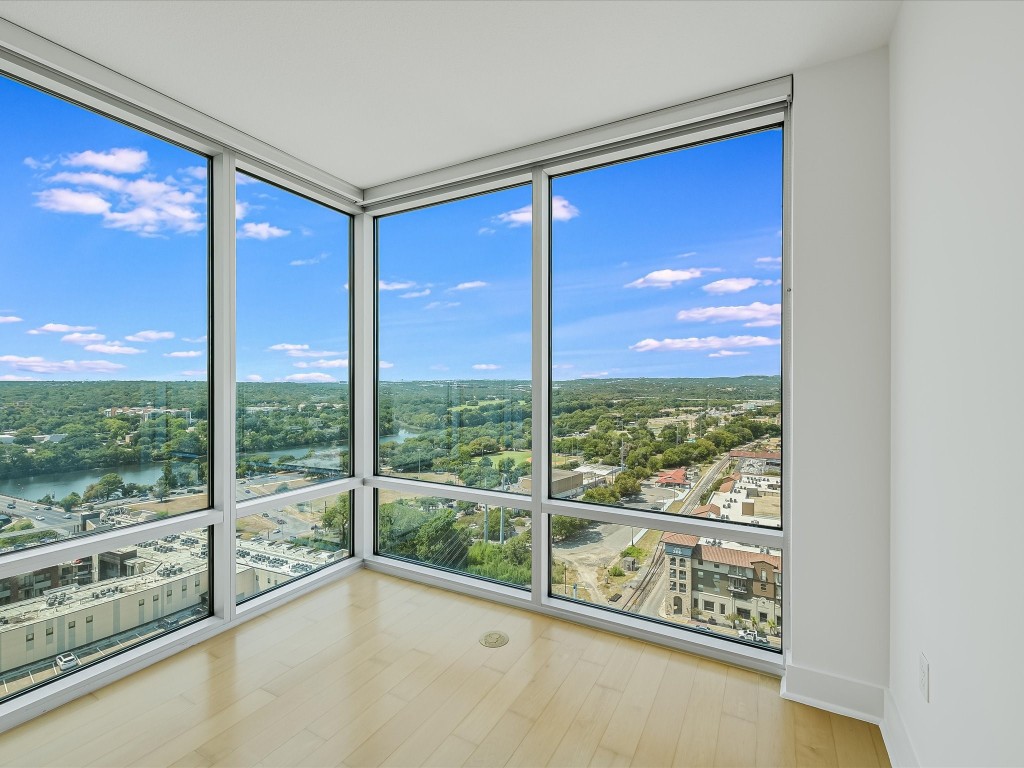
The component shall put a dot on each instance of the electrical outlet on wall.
(923, 682)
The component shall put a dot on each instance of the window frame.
(45, 66)
(541, 504)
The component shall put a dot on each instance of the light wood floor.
(376, 670)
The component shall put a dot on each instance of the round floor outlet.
(493, 639)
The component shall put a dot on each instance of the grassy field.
(518, 456)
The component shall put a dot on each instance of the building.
(905, 187)
(676, 478)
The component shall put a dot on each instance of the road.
(693, 498)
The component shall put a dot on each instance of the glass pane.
(666, 333)
(729, 589)
(274, 548)
(58, 619)
(293, 418)
(492, 543)
(453, 401)
(103, 321)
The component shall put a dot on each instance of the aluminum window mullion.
(35, 558)
(696, 526)
(458, 492)
(540, 430)
(222, 369)
(364, 398)
(260, 504)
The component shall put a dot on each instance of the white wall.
(957, 428)
(838, 625)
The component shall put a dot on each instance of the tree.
(104, 488)
(440, 542)
(70, 501)
(563, 527)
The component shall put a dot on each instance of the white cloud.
(193, 373)
(184, 353)
(401, 285)
(310, 377)
(486, 367)
(307, 262)
(728, 353)
(254, 377)
(561, 210)
(83, 338)
(287, 347)
(199, 340)
(737, 284)
(241, 210)
(486, 231)
(686, 255)
(90, 179)
(41, 365)
(706, 342)
(39, 165)
(769, 262)
(415, 294)
(439, 367)
(562, 366)
(385, 364)
(117, 160)
(306, 231)
(9, 319)
(468, 286)
(62, 200)
(262, 231)
(114, 348)
(147, 336)
(665, 278)
(336, 363)
(594, 375)
(441, 304)
(12, 377)
(757, 315)
(199, 172)
(311, 353)
(61, 328)
(145, 206)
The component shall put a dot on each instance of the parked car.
(66, 661)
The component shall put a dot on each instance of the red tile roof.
(682, 539)
(675, 476)
(777, 455)
(738, 557)
(708, 510)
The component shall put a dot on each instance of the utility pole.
(501, 528)
(487, 510)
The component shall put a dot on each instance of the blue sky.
(667, 266)
(662, 267)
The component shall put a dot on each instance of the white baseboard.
(833, 693)
(895, 736)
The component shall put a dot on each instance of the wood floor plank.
(776, 729)
(578, 744)
(375, 670)
(880, 751)
(815, 745)
(634, 707)
(854, 747)
(657, 744)
(698, 735)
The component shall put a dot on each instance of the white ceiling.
(376, 91)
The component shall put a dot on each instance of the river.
(60, 484)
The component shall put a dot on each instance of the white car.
(66, 661)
